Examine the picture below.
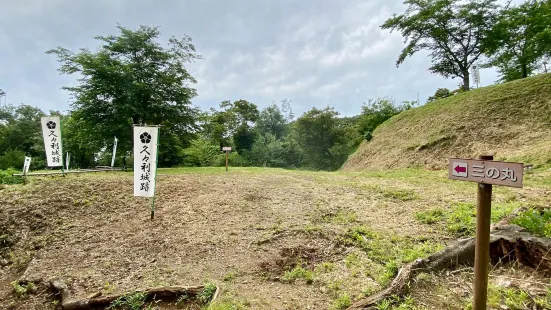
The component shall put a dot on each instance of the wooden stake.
(227, 155)
(482, 249)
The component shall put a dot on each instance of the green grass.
(298, 273)
(206, 294)
(536, 222)
(343, 301)
(23, 290)
(460, 218)
(134, 301)
(7, 178)
(386, 253)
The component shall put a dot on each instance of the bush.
(536, 222)
(235, 160)
(7, 178)
(12, 159)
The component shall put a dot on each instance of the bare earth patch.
(270, 239)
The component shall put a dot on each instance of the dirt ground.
(251, 231)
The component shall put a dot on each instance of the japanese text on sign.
(486, 171)
(145, 156)
(51, 131)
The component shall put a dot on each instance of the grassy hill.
(512, 121)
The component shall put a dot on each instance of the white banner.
(114, 152)
(145, 160)
(26, 165)
(51, 131)
(475, 72)
(67, 159)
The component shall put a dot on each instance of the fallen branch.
(507, 243)
(96, 301)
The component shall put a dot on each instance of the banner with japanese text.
(51, 131)
(26, 165)
(145, 160)
(114, 152)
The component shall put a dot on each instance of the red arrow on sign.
(460, 169)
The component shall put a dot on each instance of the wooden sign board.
(226, 148)
(486, 171)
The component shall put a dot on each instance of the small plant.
(207, 293)
(536, 222)
(108, 287)
(230, 276)
(182, 299)
(430, 217)
(298, 273)
(402, 195)
(352, 260)
(342, 302)
(133, 301)
(325, 267)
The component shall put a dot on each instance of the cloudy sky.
(316, 53)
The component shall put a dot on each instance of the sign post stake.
(482, 249)
(227, 155)
(156, 164)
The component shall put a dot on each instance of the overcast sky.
(316, 53)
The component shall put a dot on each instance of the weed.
(23, 290)
(108, 287)
(230, 276)
(207, 293)
(182, 299)
(326, 267)
(298, 273)
(7, 178)
(536, 222)
(400, 194)
(227, 305)
(342, 302)
(430, 217)
(133, 301)
(352, 260)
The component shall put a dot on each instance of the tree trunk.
(524, 70)
(466, 81)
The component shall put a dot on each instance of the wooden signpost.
(486, 172)
(227, 149)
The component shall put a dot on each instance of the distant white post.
(67, 159)
(227, 149)
(114, 153)
(26, 165)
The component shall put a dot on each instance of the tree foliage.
(452, 31)
(133, 79)
(520, 38)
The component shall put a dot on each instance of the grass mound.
(511, 121)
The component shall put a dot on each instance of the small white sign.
(51, 131)
(460, 169)
(226, 148)
(145, 160)
(26, 165)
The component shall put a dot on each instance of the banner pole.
(156, 161)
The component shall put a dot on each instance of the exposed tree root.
(507, 243)
(100, 302)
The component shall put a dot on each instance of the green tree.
(440, 93)
(451, 30)
(318, 133)
(377, 111)
(21, 133)
(520, 39)
(133, 79)
(272, 121)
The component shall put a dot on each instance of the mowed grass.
(336, 236)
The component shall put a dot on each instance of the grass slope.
(511, 121)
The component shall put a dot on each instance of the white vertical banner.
(475, 72)
(51, 131)
(67, 160)
(145, 160)
(26, 165)
(114, 152)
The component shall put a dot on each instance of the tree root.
(507, 243)
(96, 301)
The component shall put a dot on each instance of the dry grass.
(272, 239)
(511, 121)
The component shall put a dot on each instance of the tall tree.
(520, 38)
(319, 135)
(451, 30)
(133, 79)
